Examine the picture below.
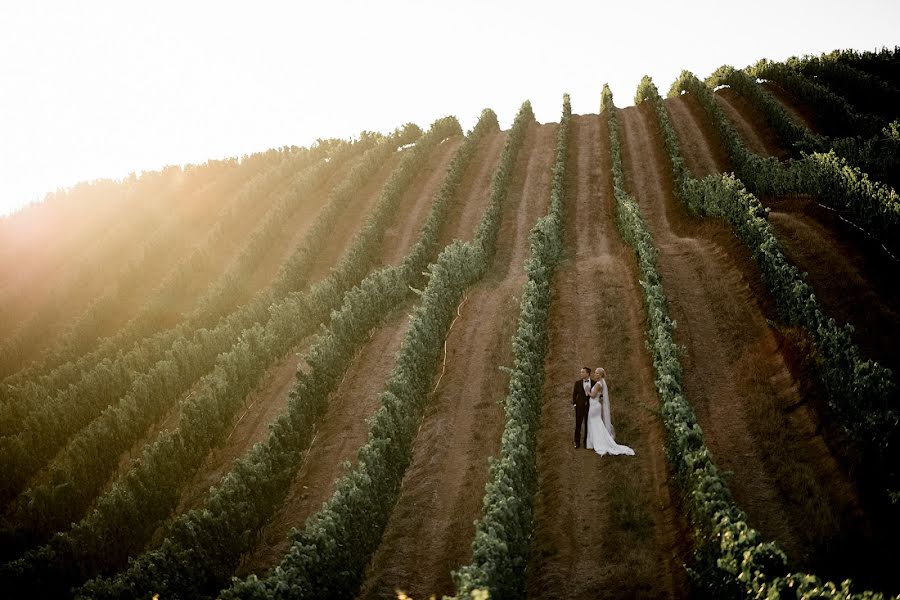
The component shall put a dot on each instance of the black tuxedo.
(581, 401)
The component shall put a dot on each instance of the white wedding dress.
(599, 427)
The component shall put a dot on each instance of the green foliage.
(877, 156)
(488, 228)
(605, 98)
(861, 392)
(884, 63)
(84, 465)
(31, 388)
(53, 418)
(646, 90)
(62, 365)
(502, 534)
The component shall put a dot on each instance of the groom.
(581, 397)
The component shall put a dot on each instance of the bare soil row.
(430, 531)
(605, 527)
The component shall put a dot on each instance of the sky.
(94, 89)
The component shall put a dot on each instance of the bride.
(599, 429)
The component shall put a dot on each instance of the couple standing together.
(590, 399)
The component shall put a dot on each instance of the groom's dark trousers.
(581, 401)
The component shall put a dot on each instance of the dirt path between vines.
(340, 435)
(467, 211)
(750, 124)
(605, 527)
(693, 130)
(719, 322)
(798, 112)
(431, 528)
(170, 416)
(737, 377)
(400, 237)
(345, 428)
(854, 285)
(854, 280)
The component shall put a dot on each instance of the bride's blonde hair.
(602, 372)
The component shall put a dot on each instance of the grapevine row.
(144, 199)
(829, 107)
(884, 64)
(78, 473)
(860, 391)
(867, 92)
(502, 534)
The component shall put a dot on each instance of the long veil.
(606, 418)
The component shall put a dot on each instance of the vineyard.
(343, 370)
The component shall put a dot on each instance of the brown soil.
(605, 527)
(855, 281)
(280, 247)
(736, 374)
(795, 109)
(261, 408)
(695, 130)
(340, 435)
(750, 124)
(402, 234)
(852, 276)
(169, 420)
(474, 191)
(355, 215)
(430, 530)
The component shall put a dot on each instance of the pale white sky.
(95, 89)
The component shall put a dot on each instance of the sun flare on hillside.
(293, 300)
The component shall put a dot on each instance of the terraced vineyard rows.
(441, 492)
(596, 319)
(344, 370)
(719, 301)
